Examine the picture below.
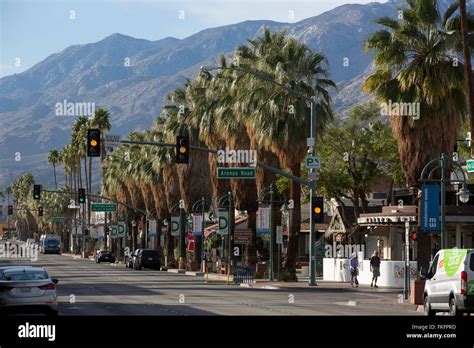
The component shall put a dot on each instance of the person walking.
(354, 268)
(375, 268)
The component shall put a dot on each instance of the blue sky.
(31, 30)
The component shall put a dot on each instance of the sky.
(31, 30)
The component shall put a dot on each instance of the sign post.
(236, 173)
(108, 207)
(312, 162)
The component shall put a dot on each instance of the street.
(87, 288)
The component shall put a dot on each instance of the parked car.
(129, 259)
(449, 284)
(28, 288)
(147, 258)
(104, 256)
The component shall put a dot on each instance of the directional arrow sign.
(470, 166)
(312, 162)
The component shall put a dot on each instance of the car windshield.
(14, 275)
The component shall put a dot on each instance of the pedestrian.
(354, 268)
(375, 268)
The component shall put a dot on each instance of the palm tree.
(278, 120)
(467, 61)
(53, 158)
(413, 64)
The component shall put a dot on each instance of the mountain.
(130, 77)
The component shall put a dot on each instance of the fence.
(243, 275)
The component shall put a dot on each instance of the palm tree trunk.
(467, 67)
(55, 181)
(295, 223)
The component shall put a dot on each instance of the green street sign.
(57, 219)
(312, 162)
(236, 173)
(470, 166)
(104, 207)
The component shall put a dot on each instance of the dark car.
(147, 258)
(105, 256)
(129, 259)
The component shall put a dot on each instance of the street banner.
(279, 235)
(93, 232)
(175, 225)
(223, 221)
(101, 232)
(197, 225)
(263, 220)
(121, 229)
(114, 231)
(152, 228)
(430, 200)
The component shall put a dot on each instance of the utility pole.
(312, 193)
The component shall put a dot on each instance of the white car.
(449, 284)
(27, 288)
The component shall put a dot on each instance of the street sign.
(236, 173)
(242, 236)
(263, 220)
(470, 166)
(279, 235)
(223, 221)
(430, 200)
(57, 219)
(104, 207)
(112, 141)
(313, 176)
(175, 225)
(312, 162)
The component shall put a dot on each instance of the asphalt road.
(87, 288)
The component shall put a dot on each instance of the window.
(434, 266)
(24, 275)
(471, 262)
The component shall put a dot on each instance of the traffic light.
(10, 210)
(182, 149)
(37, 192)
(93, 143)
(82, 196)
(40, 211)
(413, 235)
(317, 209)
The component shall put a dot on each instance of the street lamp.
(463, 194)
(311, 142)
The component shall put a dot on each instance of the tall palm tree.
(413, 64)
(277, 119)
(466, 47)
(53, 158)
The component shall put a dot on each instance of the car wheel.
(453, 310)
(427, 307)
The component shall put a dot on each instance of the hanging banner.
(93, 232)
(430, 201)
(175, 225)
(223, 221)
(152, 228)
(121, 229)
(263, 220)
(197, 225)
(101, 232)
(114, 231)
